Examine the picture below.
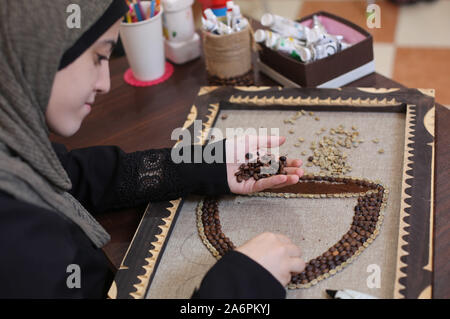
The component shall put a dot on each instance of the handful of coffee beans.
(261, 168)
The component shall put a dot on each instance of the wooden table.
(143, 118)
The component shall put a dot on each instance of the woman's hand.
(276, 253)
(237, 148)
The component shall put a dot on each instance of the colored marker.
(152, 6)
(138, 12)
(140, 9)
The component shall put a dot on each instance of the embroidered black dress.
(38, 245)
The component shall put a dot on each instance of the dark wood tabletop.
(143, 118)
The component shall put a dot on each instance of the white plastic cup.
(144, 46)
(178, 20)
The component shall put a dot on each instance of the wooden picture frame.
(414, 268)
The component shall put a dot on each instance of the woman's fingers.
(291, 180)
(294, 171)
(297, 265)
(294, 162)
(293, 250)
(274, 182)
(269, 182)
(282, 238)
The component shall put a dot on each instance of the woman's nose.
(104, 80)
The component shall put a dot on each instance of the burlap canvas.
(313, 224)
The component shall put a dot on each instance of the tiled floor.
(412, 46)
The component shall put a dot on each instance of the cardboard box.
(334, 71)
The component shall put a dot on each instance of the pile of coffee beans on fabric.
(263, 167)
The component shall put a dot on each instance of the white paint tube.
(352, 294)
(217, 27)
(317, 52)
(230, 5)
(277, 42)
(318, 25)
(236, 17)
(209, 14)
(241, 25)
(284, 26)
(210, 26)
(328, 46)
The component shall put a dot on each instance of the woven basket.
(228, 58)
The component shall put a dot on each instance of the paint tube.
(234, 21)
(319, 51)
(217, 28)
(277, 42)
(241, 25)
(209, 14)
(224, 29)
(237, 17)
(230, 6)
(348, 294)
(318, 25)
(210, 26)
(284, 26)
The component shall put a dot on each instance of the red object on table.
(213, 4)
(131, 80)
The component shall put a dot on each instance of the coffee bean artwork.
(371, 200)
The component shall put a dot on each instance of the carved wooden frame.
(414, 267)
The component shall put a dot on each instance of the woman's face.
(76, 86)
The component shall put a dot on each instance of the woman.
(51, 74)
